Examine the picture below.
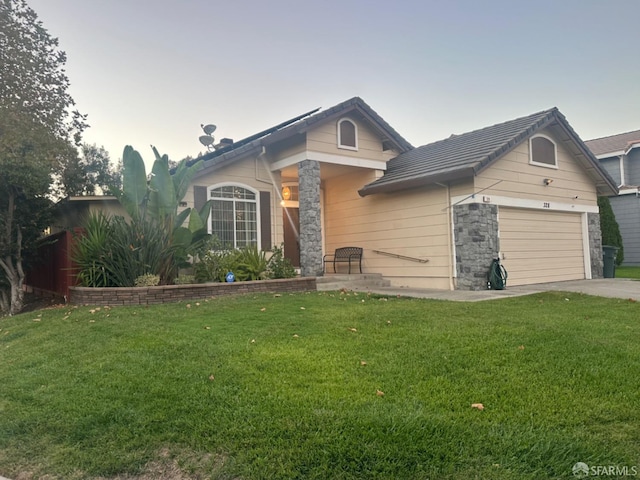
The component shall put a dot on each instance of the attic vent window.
(347, 134)
(543, 152)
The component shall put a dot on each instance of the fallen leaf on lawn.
(207, 328)
(211, 377)
(362, 300)
(36, 319)
(277, 295)
(479, 406)
(302, 308)
(92, 311)
(295, 335)
(92, 321)
(263, 309)
(521, 347)
(632, 300)
(253, 340)
(566, 299)
(353, 329)
(388, 322)
(363, 363)
(97, 310)
(197, 304)
(64, 318)
(188, 305)
(383, 299)
(380, 393)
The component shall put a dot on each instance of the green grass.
(628, 272)
(122, 391)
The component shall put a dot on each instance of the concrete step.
(350, 282)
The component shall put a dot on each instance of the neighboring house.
(620, 156)
(72, 212)
(431, 217)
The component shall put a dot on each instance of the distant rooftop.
(613, 143)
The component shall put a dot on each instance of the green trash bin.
(609, 253)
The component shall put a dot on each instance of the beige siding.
(324, 139)
(539, 246)
(414, 224)
(251, 172)
(520, 179)
(287, 148)
(461, 188)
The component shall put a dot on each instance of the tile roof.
(301, 124)
(613, 143)
(466, 155)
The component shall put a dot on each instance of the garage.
(538, 246)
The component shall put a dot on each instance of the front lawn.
(322, 385)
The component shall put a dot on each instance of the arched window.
(543, 151)
(347, 134)
(234, 215)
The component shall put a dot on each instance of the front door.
(291, 231)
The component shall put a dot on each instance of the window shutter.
(199, 197)
(265, 220)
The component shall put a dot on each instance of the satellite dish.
(208, 129)
(206, 140)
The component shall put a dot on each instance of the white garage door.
(539, 246)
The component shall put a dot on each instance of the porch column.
(310, 225)
(477, 243)
(595, 245)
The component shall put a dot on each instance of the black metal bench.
(344, 255)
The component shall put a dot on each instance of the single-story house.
(431, 217)
(620, 157)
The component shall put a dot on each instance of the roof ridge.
(458, 135)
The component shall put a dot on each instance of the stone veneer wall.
(177, 293)
(477, 243)
(310, 222)
(595, 245)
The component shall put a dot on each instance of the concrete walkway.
(610, 287)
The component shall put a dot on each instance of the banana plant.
(158, 198)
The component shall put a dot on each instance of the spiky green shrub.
(114, 253)
(609, 228)
(91, 252)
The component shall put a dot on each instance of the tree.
(38, 131)
(609, 228)
(90, 173)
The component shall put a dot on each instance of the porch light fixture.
(286, 193)
(547, 181)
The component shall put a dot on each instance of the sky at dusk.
(150, 72)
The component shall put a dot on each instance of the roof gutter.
(416, 182)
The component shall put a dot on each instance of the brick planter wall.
(177, 293)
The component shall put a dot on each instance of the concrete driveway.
(610, 287)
